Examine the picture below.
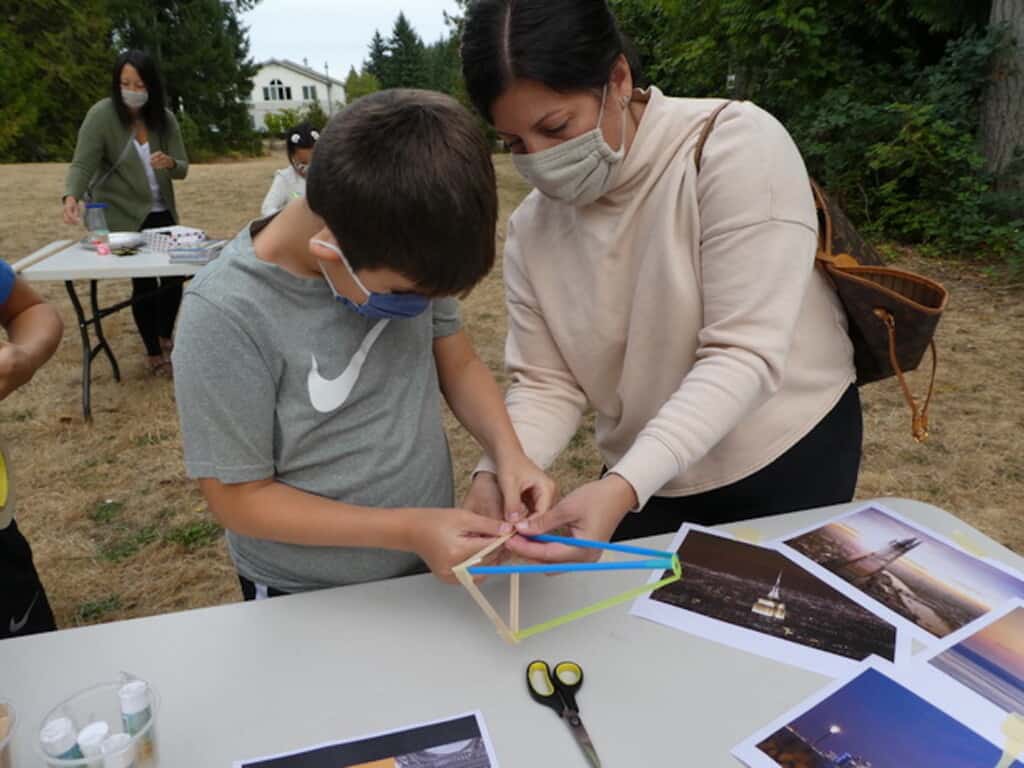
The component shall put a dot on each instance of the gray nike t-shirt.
(275, 379)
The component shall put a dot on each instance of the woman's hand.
(592, 511)
(525, 488)
(72, 214)
(161, 161)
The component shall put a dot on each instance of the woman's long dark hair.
(153, 112)
(568, 45)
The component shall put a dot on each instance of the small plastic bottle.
(96, 223)
(58, 740)
(136, 712)
(90, 740)
(118, 751)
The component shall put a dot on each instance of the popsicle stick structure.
(511, 632)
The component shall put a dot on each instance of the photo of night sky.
(874, 722)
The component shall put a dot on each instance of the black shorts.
(24, 609)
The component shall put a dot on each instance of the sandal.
(161, 368)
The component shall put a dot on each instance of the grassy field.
(119, 531)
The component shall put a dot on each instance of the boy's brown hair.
(403, 179)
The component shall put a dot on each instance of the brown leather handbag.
(891, 314)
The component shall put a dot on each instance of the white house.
(282, 84)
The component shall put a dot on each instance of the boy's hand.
(525, 489)
(15, 368)
(592, 511)
(446, 537)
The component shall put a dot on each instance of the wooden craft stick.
(496, 544)
(467, 581)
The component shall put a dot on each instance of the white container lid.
(90, 738)
(134, 697)
(118, 751)
(57, 736)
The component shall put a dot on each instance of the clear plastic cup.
(96, 223)
(8, 719)
(102, 703)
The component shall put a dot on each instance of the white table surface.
(245, 680)
(76, 262)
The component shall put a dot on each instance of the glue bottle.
(136, 713)
(57, 739)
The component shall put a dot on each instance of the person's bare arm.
(268, 509)
(34, 331)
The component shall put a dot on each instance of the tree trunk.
(1002, 117)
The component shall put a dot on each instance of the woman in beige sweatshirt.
(682, 307)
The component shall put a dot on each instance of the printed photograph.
(874, 722)
(457, 743)
(759, 589)
(990, 662)
(932, 584)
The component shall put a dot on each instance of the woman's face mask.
(134, 99)
(577, 171)
(378, 306)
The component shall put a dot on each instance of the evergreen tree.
(46, 91)
(359, 84)
(378, 60)
(406, 61)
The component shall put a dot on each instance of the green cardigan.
(101, 140)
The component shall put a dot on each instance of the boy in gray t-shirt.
(312, 355)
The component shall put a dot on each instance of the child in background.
(34, 330)
(290, 183)
(313, 355)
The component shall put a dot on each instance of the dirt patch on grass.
(119, 532)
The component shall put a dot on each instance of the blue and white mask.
(378, 306)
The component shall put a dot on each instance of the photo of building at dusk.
(874, 722)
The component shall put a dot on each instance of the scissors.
(558, 691)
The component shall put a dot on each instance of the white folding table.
(245, 680)
(68, 261)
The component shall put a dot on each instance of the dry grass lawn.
(119, 532)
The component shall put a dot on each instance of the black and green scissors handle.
(557, 690)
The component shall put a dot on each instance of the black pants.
(818, 471)
(249, 590)
(155, 315)
(24, 609)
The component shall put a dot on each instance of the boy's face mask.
(378, 306)
(577, 171)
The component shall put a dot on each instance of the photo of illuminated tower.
(771, 607)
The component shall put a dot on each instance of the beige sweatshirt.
(685, 310)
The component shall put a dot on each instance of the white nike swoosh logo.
(328, 395)
(16, 626)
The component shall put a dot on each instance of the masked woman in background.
(683, 307)
(129, 149)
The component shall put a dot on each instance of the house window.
(277, 91)
(309, 93)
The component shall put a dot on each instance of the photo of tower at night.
(772, 606)
(862, 569)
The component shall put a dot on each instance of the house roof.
(299, 68)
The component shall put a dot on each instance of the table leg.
(98, 317)
(83, 329)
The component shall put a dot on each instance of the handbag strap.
(94, 184)
(919, 422)
(709, 123)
